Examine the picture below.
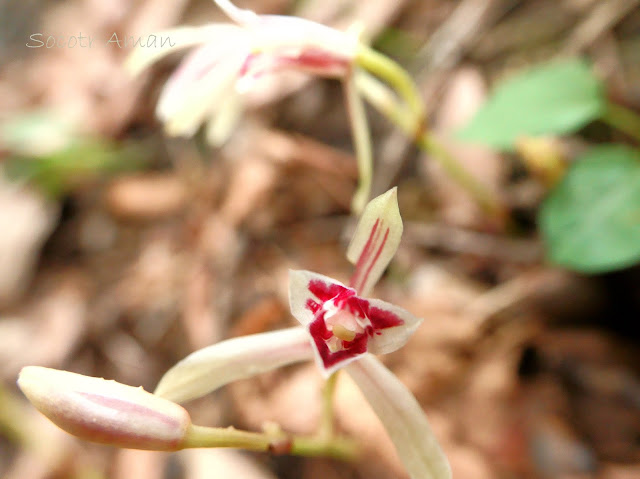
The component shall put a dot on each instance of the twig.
(459, 240)
(603, 16)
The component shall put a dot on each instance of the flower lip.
(343, 326)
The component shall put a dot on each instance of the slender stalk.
(201, 436)
(623, 119)
(394, 75)
(275, 442)
(361, 143)
(340, 448)
(485, 199)
(326, 430)
(386, 102)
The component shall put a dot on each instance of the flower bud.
(104, 411)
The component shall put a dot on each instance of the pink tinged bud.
(342, 325)
(104, 411)
(403, 418)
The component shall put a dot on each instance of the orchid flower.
(229, 58)
(344, 325)
(340, 328)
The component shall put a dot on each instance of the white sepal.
(198, 88)
(402, 417)
(221, 125)
(175, 39)
(279, 32)
(238, 15)
(214, 366)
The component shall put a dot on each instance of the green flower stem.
(361, 143)
(337, 448)
(200, 436)
(326, 430)
(623, 119)
(483, 197)
(394, 75)
(386, 102)
(275, 442)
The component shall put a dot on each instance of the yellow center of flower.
(340, 332)
(344, 326)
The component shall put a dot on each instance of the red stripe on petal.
(375, 258)
(357, 282)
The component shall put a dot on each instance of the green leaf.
(591, 220)
(50, 153)
(552, 99)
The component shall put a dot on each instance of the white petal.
(375, 241)
(274, 32)
(300, 293)
(402, 417)
(277, 32)
(238, 15)
(393, 338)
(178, 39)
(212, 367)
(223, 122)
(184, 105)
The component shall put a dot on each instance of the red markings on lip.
(346, 300)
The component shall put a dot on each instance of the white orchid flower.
(340, 329)
(229, 58)
(342, 323)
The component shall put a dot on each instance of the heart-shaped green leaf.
(591, 220)
(552, 99)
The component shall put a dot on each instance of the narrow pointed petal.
(201, 84)
(185, 107)
(221, 125)
(104, 411)
(307, 292)
(402, 417)
(279, 32)
(388, 339)
(238, 15)
(178, 39)
(375, 241)
(212, 367)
